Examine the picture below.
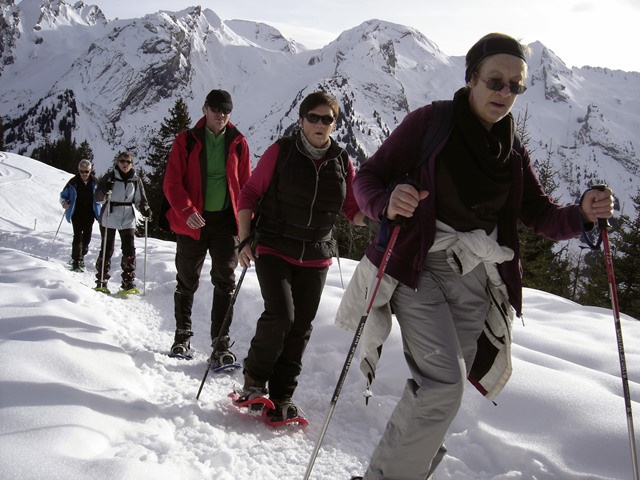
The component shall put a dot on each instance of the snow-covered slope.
(87, 391)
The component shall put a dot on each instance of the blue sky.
(582, 32)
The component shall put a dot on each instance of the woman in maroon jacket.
(461, 206)
(207, 167)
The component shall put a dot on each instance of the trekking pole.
(144, 269)
(55, 236)
(104, 239)
(225, 323)
(352, 349)
(603, 224)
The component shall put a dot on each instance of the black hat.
(491, 46)
(219, 98)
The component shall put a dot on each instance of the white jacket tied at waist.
(464, 250)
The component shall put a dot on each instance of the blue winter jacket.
(69, 194)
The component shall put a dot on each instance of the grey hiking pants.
(440, 324)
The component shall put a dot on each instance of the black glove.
(146, 212)
(110, 185)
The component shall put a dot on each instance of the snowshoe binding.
(77, 266)
(128, 288)
(181, 347)
(253, 398)
(284, 412)
(102, 287)
(222, 358)
(221, 361)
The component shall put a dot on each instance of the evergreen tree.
(626, 244)
(1, 136)
(63, 153)
(85, 152)
(545, 266)
(594, 285)
(352, 239)
(159, 148)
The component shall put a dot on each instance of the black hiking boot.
(220, 359)
(181, 343)
(102, 286)
(285, 410)
(252, 389)
(128, 285)
(221, 355)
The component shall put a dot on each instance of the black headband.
(491, 46)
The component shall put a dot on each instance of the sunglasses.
(224, 111)
(85, 172)
(313, 118)
(498, 86)
(127, 162)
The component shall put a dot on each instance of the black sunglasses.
(313, 118)
(498, 86)
(129, 162)
(217, 109)
(84, 172)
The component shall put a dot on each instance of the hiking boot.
(181, 342)
(219, 359)
(76, 267)
(181, 349)
(285, 409)
(221, 355)
(128, 285)
(252, 389)
(249, 393)
(101, 285)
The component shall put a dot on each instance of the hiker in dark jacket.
(208, 165)
(77, 198)
(120, 191)
(461, 205)
(298, 188)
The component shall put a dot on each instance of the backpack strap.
(438, 129)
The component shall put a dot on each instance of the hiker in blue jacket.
(81, 210)
(462, 204)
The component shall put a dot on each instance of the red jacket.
(185, 175)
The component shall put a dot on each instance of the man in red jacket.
(207, 167)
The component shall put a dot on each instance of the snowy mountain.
(66, 69)
(87, 390)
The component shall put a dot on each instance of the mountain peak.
(264, 36)
(112, 82)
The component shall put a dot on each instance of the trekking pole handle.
(603, 223)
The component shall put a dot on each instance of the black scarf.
(126, 176)
(475, 164)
